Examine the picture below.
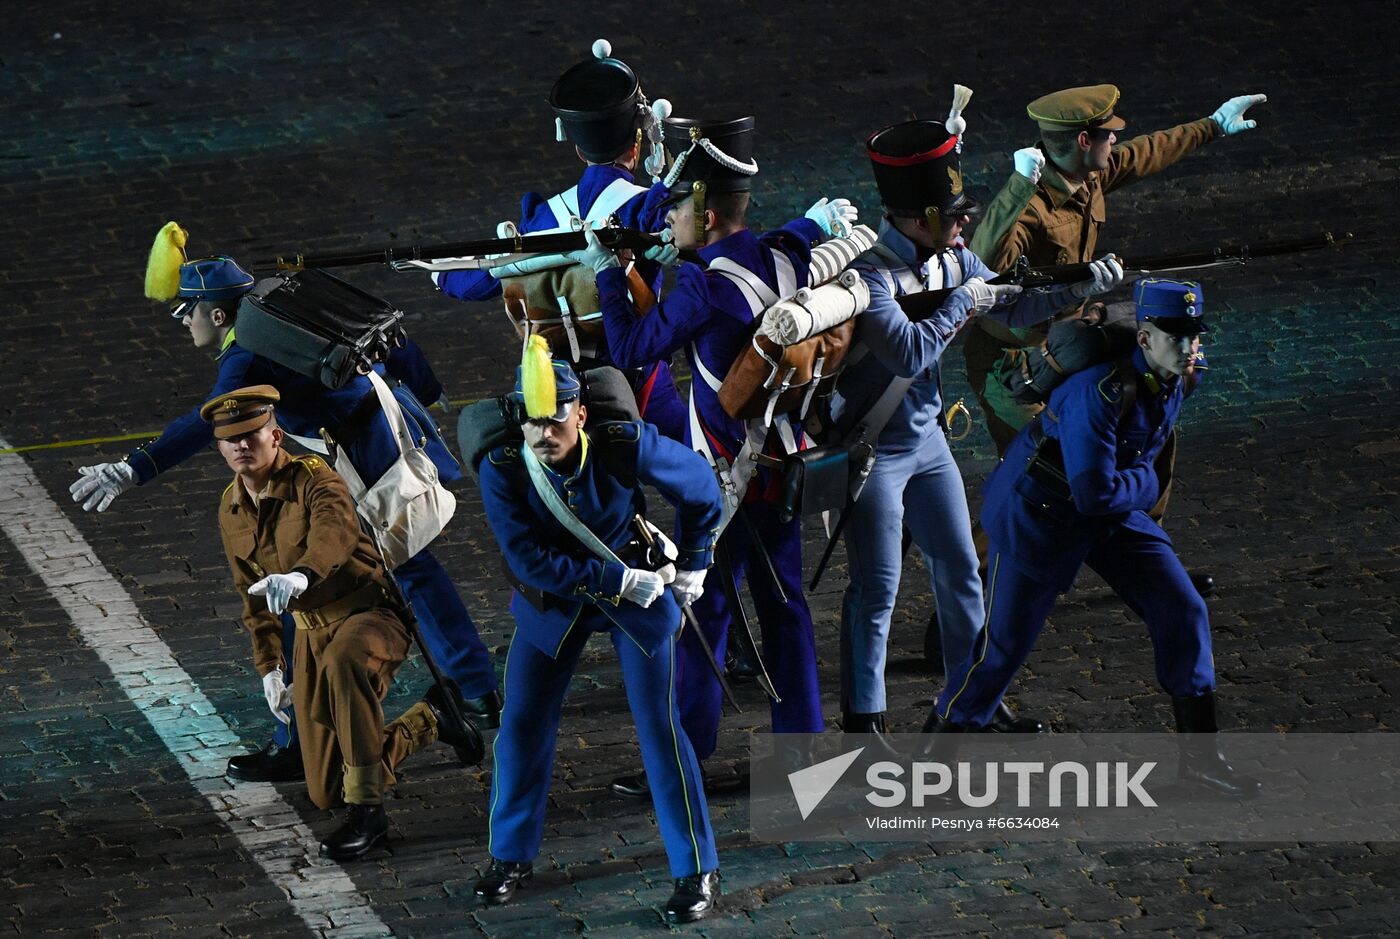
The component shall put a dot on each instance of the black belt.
(1047, 464)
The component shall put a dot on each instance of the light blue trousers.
(921, 489)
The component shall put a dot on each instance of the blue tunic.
(581, 596)
(708, 314)
(915, 482)
(1042, 530)
(544, 555)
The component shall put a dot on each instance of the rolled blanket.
(815, 310)
(831, 257)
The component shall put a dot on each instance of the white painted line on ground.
(319, 891)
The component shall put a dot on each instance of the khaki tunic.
(350, 638)
(1053, 222)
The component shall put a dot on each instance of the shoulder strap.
(787, 274)
(561, 512)
(894, 270)
(565, 209)
(620, 461)
(612, 198)
(758, 294)
(953, 272)
(393, 413)
(1127, 374)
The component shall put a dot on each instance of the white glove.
(985, 296)
(836, 217)
(642, 587)
(1029, 162)
(100, 484)
(280, 588)
(688, 586)
(1230, 115)
(595, 255)
(278, 694)
(667, 255)
(1104, 274)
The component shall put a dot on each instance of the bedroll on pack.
(318, 325)
(800, 343)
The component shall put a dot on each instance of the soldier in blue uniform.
(600, 107)
(709, 313)
(1074, 489)
(206, 303)
(562, 506)
(891, 396)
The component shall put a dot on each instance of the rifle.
(412, 257)
(919, 306)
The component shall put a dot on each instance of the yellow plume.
(537, 378)
(163, 266)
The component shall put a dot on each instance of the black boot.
(941, 745)
(933, 644)
(1005, 721)
(462, 737)
(1201, 761)
(631, 787)
(1203, 582)
(365, 826)
(693, 898)
(874, 726)
(484, 711)
(270, 764)
(498, 885)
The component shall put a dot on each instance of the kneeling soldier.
(563, 505)
(294, 543)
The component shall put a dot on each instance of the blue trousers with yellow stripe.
(535, 685)
(1141, 567)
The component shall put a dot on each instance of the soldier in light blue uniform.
(710, 313)
(915, 481)
(206, 303)
(566, 591)
(600, 107)
(1074, 489)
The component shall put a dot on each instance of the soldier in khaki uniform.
(1052, 213)
(294, 543)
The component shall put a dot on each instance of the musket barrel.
(921, 305)
(552, 243)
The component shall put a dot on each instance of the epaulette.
(223, 502)
(1111, 387)
(617, 449)
(311, 463)
(502, 455)
(622, 431)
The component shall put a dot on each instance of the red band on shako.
(913, 159)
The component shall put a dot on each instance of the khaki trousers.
(341, 673)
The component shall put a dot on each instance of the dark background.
(273, 128)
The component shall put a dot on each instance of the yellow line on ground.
(141, 435)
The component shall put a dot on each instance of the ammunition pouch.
(813, 481)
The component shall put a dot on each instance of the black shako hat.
(599, 105)
(918, 172)
(718, 154)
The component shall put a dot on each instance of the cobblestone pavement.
(268, 128)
